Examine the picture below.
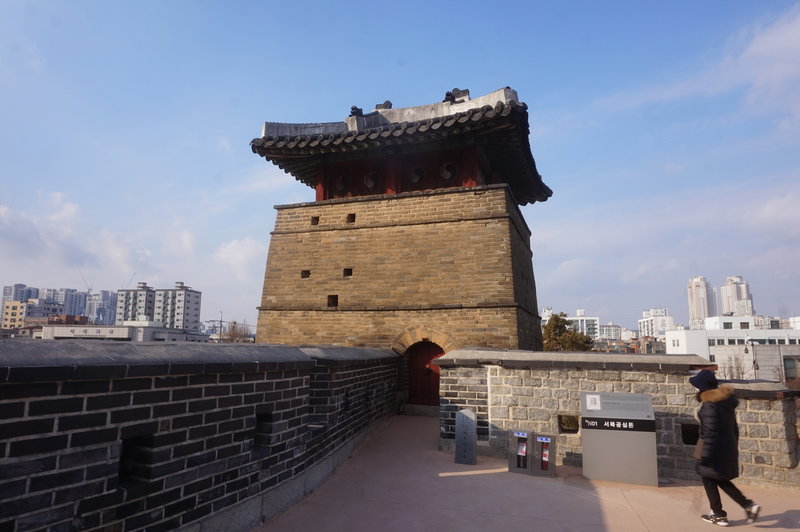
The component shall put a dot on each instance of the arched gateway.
(416, 227)
(423, 377)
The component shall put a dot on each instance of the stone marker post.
(466, 436)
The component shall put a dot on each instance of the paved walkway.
(398, 481)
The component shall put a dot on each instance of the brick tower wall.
(455, 261)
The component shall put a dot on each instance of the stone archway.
(414, 335)
(418, 384)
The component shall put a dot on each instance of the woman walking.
(718, 448)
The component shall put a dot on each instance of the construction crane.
(129, 281)
(88, 286)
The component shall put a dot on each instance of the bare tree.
(237, 333)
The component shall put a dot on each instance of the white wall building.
(173, 308)
(134, 304)
(130, 332)
(610, 331)
(588, 325)
(771, 362)
(178, 308)
(729, 336)
(656, 322)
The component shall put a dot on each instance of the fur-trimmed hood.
(717, 394)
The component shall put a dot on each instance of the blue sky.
(669, 132)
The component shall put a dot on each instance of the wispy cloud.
(761, 60)
(49, 236)
(244, 258)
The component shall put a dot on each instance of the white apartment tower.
(656, 322)
(178, 308)
(735, 297)
(702, 302)
(135, 304)
(580, 322)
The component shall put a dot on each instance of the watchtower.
(415, 240)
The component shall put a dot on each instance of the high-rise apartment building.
(74, 301)
(19, 292)
(101, 307)
(735, 297)
(136, 304)
(702, 302)
(173, 308)
(178, 308)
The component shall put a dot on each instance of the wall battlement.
(163, 437)
(541, 392)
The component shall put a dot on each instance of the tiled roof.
(501, 132)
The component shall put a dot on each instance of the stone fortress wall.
(99, 436)
(463, 253)
(103, 436)
(540, 392)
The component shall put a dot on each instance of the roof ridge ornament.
(356, 111)
(456, 96)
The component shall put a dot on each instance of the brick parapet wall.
(137, 437)
(508, 392)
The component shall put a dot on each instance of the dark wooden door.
(423, 377)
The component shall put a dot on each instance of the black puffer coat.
(720, 433)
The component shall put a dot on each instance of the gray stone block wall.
(541, 392)
(95, 435)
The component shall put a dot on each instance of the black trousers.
(712, 492)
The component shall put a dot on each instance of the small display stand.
(533, 454)
(518, 459)
(544, 456)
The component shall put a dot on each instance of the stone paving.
(398, 481)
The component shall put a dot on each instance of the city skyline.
(666, 317)
(668, 133)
